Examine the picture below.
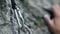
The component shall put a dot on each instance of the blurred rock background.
(32, 13)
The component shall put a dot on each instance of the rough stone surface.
(32, 13)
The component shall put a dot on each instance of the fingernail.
(46, 16)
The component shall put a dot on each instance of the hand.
(54, 23)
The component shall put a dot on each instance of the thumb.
(48, 20)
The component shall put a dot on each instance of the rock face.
(31, 10)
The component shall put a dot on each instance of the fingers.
(48, 20)
(56, 10)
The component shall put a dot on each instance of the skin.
(54, 23)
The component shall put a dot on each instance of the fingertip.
(48, 20)
(55, 6)
(46, 16)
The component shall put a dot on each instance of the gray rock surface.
(32, 13)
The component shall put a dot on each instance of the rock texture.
(32, 12)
